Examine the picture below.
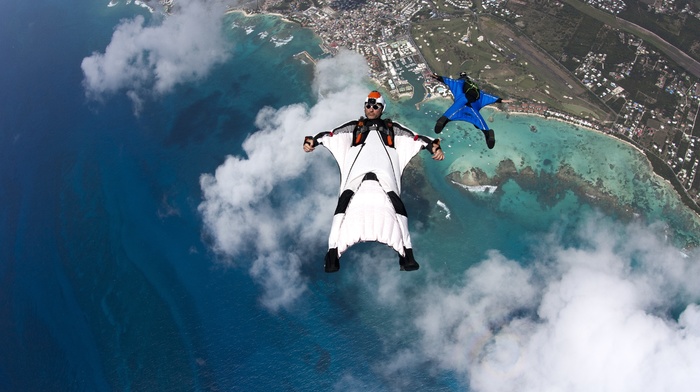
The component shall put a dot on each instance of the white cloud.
(144, 59)
(595, 317)
(277, 202)
(345, 70)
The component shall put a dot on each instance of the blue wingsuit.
(466, 109)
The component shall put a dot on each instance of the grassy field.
(504, 61)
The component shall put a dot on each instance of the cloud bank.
(143, 59)
(617, 313)
(278, 195)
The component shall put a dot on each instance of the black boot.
(441, 122)
(332, 262)
(407, 262)
(490, 138)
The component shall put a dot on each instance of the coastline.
(658, 166)
(251, 14)
(661, 168)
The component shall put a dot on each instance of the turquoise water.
(113, 280)
(603, 166)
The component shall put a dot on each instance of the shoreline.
(251, 14)
(621, 138)
(658, 166)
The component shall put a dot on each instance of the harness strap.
(390, 134)
(358, 131)
(471, 90)
(387, 132)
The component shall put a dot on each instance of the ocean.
(173, 239)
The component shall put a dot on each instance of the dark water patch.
(418, 196)
(196, 122)
(141, 316)
(230, 125)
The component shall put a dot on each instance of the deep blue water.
(107, 284)
(108, 281)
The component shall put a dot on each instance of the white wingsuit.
(371, 155)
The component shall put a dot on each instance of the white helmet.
(375, 97)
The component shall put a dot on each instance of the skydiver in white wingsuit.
(372, 153)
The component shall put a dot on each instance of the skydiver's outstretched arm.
(310, 142)
(455, 85)
(436, 77)
(436, 150)
(433, 147)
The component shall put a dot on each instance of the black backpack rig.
(471, 89)
(362, 130)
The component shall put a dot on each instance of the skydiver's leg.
(406, 262)
(478, 120)
(332, 260)
(490, 138)
(451, 114)
(397, 203)
(440, 124)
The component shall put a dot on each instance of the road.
(675, 54)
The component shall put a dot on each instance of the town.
(638, 93)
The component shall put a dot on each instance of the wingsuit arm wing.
(338, 141)
(409, 143)
(487, 99)
(313, 140)
(437, 77)
(455, 86)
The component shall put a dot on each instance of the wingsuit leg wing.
(370, 214)
(470, 115)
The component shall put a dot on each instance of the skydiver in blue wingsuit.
(468, 100)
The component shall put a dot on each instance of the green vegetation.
(445, 46)
(443, 7)
(609, 42)
(682, 31)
